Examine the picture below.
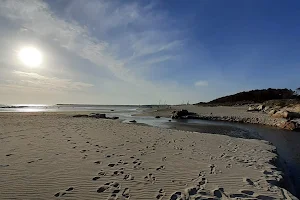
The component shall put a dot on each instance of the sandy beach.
(56, 156)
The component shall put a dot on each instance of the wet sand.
(49, 156)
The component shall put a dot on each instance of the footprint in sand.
(202, 183)
(102, 188)
(128, 177)
(137, 164)
(228, 166)
(248, 181)
(219, 193)
(98, 162)
(118, 172)
(70, 189)
(160, 168)
(212, 169)
(96, 178)
(101, 173)
(248, 192)
(60, 194)
(177, 196)
(161, 194)
(150, 178)
(125, 193)
(111, 165)
(115, 187)
(116, 194)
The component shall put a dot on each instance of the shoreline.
(237, 114)
(65, 154)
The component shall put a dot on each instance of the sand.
(56, 156)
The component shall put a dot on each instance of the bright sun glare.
(30, 56)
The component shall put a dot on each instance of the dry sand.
(51, 156)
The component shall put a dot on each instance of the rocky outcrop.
(286, 114)
(288, 125)
(284, 119)
(184, 114)
(260, 107)
(257, 108)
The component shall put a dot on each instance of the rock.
(297, 123)
(289, 125)
(292, 115)
(251, 109)
(272, 112)
(170, 120)
(80, 115)
(286, 114)
(260, 107)
(278, 114)
(157, 116)
(112, 110)
(266, 108)
(97, 115)
(132, 121)
(181, 114)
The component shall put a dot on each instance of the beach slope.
(50, 156)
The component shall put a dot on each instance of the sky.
(146, 52)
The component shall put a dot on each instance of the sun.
(30, 56)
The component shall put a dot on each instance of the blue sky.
(143, 52)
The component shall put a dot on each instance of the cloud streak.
(39, 82)
(124, 39)
(201, 83)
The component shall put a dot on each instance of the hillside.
(253, 96)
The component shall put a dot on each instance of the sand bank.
(51, 156)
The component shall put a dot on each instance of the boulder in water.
(183, 114)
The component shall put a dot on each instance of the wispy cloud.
(36, 81)
(78, 39)
(201, 83)
(107, 35)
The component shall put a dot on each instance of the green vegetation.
(256, 96)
